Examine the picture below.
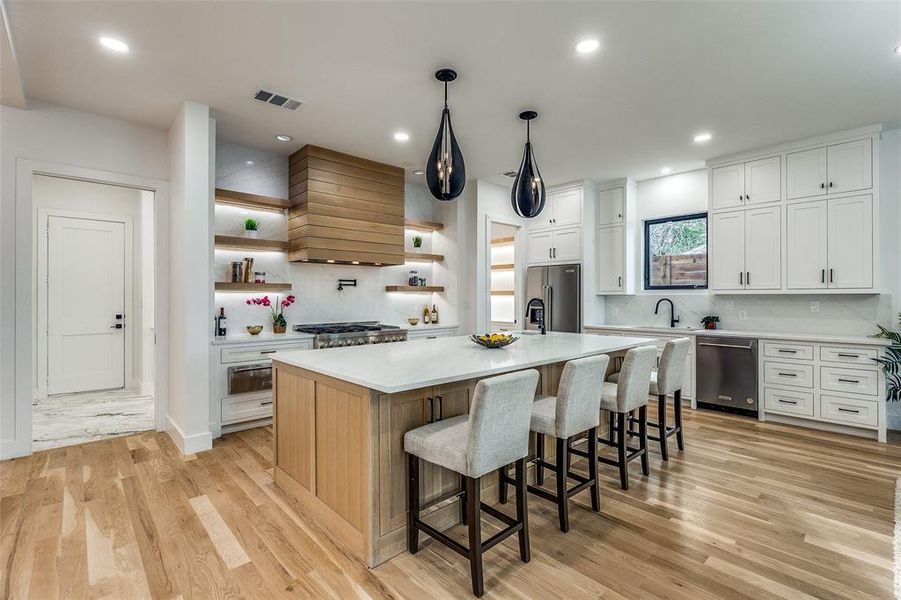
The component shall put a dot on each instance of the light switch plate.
(615, 311)
(815, 306)
(730, 305)
(742, 315)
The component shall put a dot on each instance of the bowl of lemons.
(494, 340)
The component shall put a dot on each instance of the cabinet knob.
(822, 186)
(830, 184)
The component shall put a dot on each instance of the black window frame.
(647, 252)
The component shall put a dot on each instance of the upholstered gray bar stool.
(495, 433)
(620, 399)
(668, 379)
(573, 411)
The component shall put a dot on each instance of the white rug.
(898, 539)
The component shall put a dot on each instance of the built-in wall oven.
(246, 379)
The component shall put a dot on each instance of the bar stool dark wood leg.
(522, 511)
(593, 469)
(562, 496)
(502, 485)
(661, 426)
(475, 536)
(622, 434)
(539, 452)
(643, 438)
(463, 515)
(677, 407)
(413, 503)
(611, 428)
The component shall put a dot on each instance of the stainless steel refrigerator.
(560, 287)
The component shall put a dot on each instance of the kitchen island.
(340, 415)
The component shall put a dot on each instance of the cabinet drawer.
(855, 381)
(839, 354)
(786, 350)
(260, 353)
(788, 374)
(246, 408)
(849, 410)
(790, 402)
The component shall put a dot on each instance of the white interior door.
(86, 293)
(727, 251)
(851, 242)
(763, 242)
(806, 245)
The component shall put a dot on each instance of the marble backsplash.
(839, 314)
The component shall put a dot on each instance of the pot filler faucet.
(540, 311)
(673, 319)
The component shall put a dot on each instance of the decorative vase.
(711, 325)
(251, 233)
(279, 327)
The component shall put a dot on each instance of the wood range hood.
(344, 209)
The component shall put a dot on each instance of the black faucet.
(673, 319)
(540, 304)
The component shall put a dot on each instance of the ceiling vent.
(510, 174)
(275, 99)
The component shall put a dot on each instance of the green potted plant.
(417, 241)
(250, 228)
(710, 321)
(891, 362)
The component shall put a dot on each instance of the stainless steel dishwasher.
(727, 374)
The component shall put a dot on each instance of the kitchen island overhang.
(340, 416)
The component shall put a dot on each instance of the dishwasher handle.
(748, 347)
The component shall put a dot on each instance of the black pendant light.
(528, 188)
(445, 173)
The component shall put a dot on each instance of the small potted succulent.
(417, 241)
(710, 321)
(250, 228)
(277, 310)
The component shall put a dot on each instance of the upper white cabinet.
(611, 206)
(616, 238)
(611, 259)
(806, 231)
(753, 182)
(727, 251)
(745, 250)
(839, 168)
(555, 236)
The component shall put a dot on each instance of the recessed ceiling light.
(703, 137)
(401, 136)
(898, 49)
(587, 46)
(249, 163)
(283, 137)
(419, 172)
(666, 170)
(111, 43)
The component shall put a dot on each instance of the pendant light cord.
(445, 94)
(528, 131)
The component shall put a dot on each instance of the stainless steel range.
(336, 335)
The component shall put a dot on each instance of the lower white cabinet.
(430, 331)
(794, 402)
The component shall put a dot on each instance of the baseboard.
(14, 449)
(189, 444)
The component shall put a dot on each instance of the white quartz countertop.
(760, 335)
(416, 364)
(263, 337)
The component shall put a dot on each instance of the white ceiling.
(752, 73)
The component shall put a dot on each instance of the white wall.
(53, 134)
(191, 155)
(316, 285)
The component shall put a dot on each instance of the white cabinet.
(555, 236)
(567, 244)
(745, 250)
(611, 260)
(611, 206)
(754, 182)
(845, 167)
(830, 244)
(562, 208)
(540, 246)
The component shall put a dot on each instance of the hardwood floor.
(749, 511)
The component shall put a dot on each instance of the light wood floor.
(750, 511)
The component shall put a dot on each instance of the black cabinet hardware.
(268, 351)
(266, 403)
(848, 410)
(781, 374)
(848, 380)
(786, 351)
(787, 401)
(843, 355)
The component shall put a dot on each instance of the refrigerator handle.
(549, 311)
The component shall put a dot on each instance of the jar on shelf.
(237, 272)
(259, 277)
(413, 279)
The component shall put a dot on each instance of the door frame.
(43, 300)
(517, 262)
(25, 259)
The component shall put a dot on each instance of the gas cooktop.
(332, 335)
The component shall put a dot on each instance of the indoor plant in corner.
(891, 362)
(277, 309)
(250, 228)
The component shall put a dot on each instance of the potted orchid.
(277, 309)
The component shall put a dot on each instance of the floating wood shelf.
(227, 286)
(254, 201)
(423, 256)
(502, 241)
(414, 288)
(229, 242)
(502, 292)
(423, 225)
(503, 267)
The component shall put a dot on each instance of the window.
(675, 253)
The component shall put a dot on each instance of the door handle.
(118, 317)
(724, 346)
(843, 355)
(781, 374)
(848, 380)
(831, 276)
(788, 351)
(440, 407)
(117, 326)
(748, 278)
(266, 403)
(619, 281)
(823, 276)
(431, 409)
(848, 410)
(741, 278)
(268, 351)
(781, 401)
(550, 253)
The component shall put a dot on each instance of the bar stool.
(573, 411)
(495, 433)
(668, 379)
(620, 399)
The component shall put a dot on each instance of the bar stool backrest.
(671, 371)
(635, 378)
(499, 419)
(579, 395)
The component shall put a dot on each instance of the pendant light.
(528, 188)
(445, 173)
